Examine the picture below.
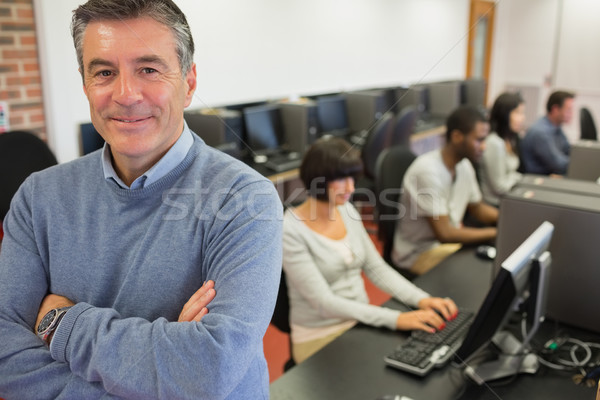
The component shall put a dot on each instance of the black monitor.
(264, 130)
(332, 115)
(522, 280)
(90, 139)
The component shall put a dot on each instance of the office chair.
(378, 138)
(587, 126)
(404, 127)
(391, 167)
(281, 316)
(21, 153)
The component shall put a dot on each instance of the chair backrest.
(404, 127)
(587, 125)
(281, 314)
(391, 167)
(377, 140)
(21, 154)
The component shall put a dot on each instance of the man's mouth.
(127, 120)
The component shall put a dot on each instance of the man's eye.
(104, 73)
(148, 70)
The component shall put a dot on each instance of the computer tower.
(473, 93)
(575, 273)
(220, 128)
(444, 97)
(562, 185)
(416, 96)
(300, 124)
(365, 108)
(584, 162)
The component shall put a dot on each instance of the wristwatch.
(49, 323)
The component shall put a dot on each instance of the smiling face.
(133, 82)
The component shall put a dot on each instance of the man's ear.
(456, 136)
(191, 82)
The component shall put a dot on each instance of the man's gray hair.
(165, 12)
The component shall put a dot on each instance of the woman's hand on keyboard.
(426, 320)
(445, 307)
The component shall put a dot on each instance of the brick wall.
(20, 80)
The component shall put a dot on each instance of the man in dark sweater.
(545, 148)
(115, 259)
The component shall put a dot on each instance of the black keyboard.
(423, 351)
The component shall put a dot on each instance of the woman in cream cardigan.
(325, 250)
(500, 161)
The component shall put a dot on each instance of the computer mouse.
(393, 397)
(486, 252)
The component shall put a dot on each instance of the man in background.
(545, 148)
(438, 188)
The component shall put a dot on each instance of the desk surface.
(352, 366)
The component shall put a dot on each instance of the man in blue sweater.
(545, 148)
(115, 259)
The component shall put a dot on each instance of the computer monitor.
(332, 115)
(584, 161)
(90, 139)
(522, 279)
(264, 129)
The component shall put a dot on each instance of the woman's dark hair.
(326, 160)
(500, 114)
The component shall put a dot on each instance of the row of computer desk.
(352, 366)
(287, 182)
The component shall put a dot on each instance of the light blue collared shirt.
(166, 164)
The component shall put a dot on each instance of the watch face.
(46, 321)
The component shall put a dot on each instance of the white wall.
(259, 49)
(551, 44)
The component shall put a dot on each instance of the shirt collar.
(166, 164)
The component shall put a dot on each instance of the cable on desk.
(588, 370)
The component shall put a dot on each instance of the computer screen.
(332, 114)
(264, 129)
(523, 275)
(90, 139)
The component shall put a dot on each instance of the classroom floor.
(276, 343)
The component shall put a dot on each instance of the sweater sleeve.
(97, 353)
(494, 157)
(304, 275)
(27, 371)
(380, 273)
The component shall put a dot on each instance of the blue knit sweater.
(130, 259)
